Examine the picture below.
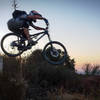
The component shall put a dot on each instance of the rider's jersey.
(22, 19)
(18, 14)
(18, 20)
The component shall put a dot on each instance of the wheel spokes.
(10, 45)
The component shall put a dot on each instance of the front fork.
(49, 37)
(50, 41)
(53, 50)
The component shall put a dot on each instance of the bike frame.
(42, 35)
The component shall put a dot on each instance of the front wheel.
(55, 52)
(10, 44)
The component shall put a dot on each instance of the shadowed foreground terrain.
(32, 78)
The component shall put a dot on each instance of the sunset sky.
(75, 23)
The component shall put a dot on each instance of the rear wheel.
(10, 44)
(55, 52)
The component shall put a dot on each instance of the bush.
(37, 69)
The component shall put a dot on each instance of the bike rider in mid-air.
(21, 22)
(54, 51)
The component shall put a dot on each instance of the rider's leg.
(26, 32)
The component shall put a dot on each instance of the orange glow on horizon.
(80, 61)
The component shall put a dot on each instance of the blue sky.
(75, 23)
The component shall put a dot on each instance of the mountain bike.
(14, 44)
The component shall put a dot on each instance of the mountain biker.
(21, 22)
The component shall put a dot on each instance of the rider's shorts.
(15, 25)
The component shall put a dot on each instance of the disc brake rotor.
(54, 53)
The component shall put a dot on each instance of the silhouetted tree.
(91, 69)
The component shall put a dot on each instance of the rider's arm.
(36, 27)
(35, 17)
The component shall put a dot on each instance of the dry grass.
(67, 96)
(61, 95)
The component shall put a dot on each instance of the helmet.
(33, 12)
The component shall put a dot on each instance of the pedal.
(29, 47)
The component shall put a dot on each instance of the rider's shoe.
(31, 42)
